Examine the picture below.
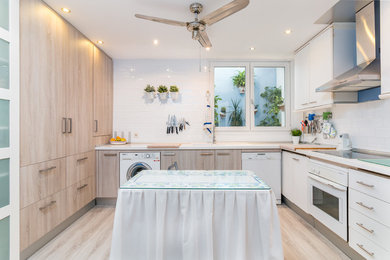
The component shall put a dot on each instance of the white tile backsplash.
(368, 124)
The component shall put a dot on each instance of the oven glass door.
(328, 204)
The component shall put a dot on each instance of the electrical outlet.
(135, 135)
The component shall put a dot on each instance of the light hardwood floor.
(90, 238)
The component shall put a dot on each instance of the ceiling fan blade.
(225, 11)
(204, 39)
(161, 20)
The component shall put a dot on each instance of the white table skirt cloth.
(170, 224)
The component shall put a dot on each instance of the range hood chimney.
(366, 73)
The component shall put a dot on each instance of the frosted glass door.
(4, 238)
(4, 123)
(4, 14)
(4, 64)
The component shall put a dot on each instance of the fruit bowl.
(118, 142)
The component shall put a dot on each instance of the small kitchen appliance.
(345, 143)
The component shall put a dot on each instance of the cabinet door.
(168, 158)
(103, 93)
(321, 67)
(385, 46)
(228, 160)
(108, 174)
(79, 105)
(287, 176)
(40, 180)
(299, 185)
(204, 160)
(42, 83)
(79, 167)
(302, 77)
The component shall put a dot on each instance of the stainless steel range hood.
(366, 73)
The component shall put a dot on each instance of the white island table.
(196, 215)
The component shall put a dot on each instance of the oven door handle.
(328, 183)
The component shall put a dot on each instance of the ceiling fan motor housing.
(196, 8)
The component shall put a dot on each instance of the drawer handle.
(82, 187)
(47, 169)
(206, 154)
(365, 250)
(110, 154)
(223, 154)
(48, 205)
(365, 184)
(295, 159)
(82, 159)
(363, 227)
(169, 154)
(364, 206)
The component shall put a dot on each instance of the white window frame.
(12, 152)
(249, 98)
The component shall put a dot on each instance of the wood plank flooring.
(90, 238)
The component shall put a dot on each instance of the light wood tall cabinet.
(57, 157)
(102, 93)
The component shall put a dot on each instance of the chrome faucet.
(214, 139)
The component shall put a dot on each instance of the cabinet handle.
(70, 125)
(363, 227)
(82, 187)
(206, 154)
(96, 125)
(365, 250)
(223, 154)
(364, 206)
(64, 125)
(48, 205)
(304, 104)
(365, 184)
(82, 159)
(296, 159)
(169, 154)
(47, 169)
(110, 154)
(260, 153)
(312, 102)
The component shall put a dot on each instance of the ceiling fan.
(198, 27)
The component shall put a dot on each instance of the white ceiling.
(261, 25)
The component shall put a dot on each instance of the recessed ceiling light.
(168, 70)
(252, 48)
(65, 10)
(131, 69)
(208, 48)
(287, 31)
(100, 42)
(155, 42)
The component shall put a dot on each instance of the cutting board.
(384, 162)
(308, 147)
(161, 146)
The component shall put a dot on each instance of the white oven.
(328, 191)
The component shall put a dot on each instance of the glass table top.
(352, 154)
(196, 180)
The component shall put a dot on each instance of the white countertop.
(304, 149)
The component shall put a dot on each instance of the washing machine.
(130, 164)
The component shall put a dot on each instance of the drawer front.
(79, 167)
(39, 218)
(376, 232)
(366, 247)
(41, 180)
(369, 206)
(79, 194)
(373, 185)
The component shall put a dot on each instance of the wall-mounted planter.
(174, 95)
(242, 89)
(222, 115)
(163, 96)
(150, 95)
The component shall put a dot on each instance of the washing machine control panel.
(140, 156)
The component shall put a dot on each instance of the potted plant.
(223, 112)
(235, 118)
(216, 118)
(150, 91)
(239, 81)
(296, 135)
(162, 92)
(273, 100)
(256, 108)
(174, 92)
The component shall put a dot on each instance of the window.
(251, 95)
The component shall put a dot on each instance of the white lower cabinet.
(369, 211)
(294, 179)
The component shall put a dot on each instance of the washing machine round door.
(136, 168)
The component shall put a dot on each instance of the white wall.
(148, 120)
(367, 123)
